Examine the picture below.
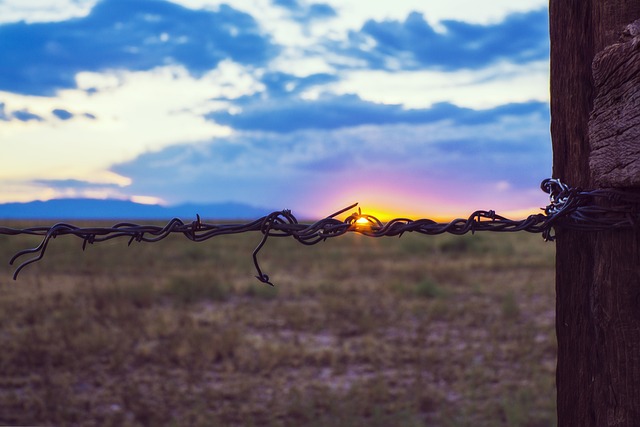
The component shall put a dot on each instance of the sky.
(413, 108)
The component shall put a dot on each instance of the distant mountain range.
(125, 210)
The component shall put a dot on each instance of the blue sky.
(419, 108)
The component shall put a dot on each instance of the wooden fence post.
(595, 128)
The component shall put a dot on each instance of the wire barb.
(570, 208)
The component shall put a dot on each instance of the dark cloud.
(303, 13)
(3, 114)
(40, 58)
(321, 11)
(279, 84)
(73, 184)
(414, 44)
(22, 115)
(338, 111)
(62, 114)
(288, 4)
(26, 116)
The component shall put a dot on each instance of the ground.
(413, 331)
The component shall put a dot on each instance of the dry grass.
(418, 331)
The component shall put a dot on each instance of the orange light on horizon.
(385, 203)
(385, 216)
(388, 215)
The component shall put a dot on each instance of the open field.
(417, 331)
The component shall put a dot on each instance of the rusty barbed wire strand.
(571, 208)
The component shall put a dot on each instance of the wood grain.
(614, 124)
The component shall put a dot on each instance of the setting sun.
(362, 221)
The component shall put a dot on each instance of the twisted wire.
(571, 208)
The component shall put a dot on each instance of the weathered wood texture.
(614, 125)
(597, 274)
(571, 99)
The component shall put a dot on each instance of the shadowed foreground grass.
(418, 331)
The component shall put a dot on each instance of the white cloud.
(134, 112)
(274, 20)
(352, 13)
(499, 84)
(43, 10)
(487, 88)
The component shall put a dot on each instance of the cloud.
(73, 184)
(134, 35)
(321, 11)
(415, 44)
(23, 115)
(288, 4)
(43, 10)
(278, 84)
(304, 167)
(338, 111)
(62, 114)
(307, 13)
(74, 188)
(26, 116)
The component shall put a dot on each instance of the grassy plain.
(417, 331)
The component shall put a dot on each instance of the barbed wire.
(571, 208)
